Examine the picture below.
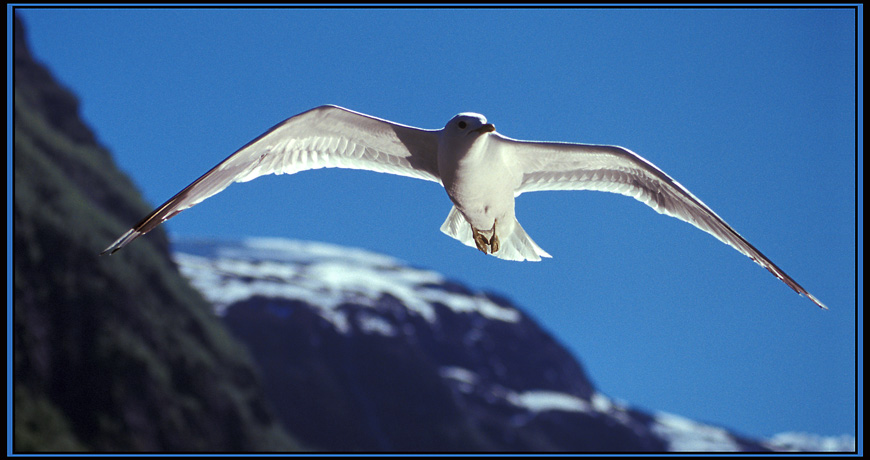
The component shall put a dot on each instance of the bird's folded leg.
(482, 242)
(493, 241)
(479, 240)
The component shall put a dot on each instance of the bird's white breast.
(479, 180)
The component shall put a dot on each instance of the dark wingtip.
(816, 301)
(126, 238)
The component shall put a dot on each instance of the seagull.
(481, 170)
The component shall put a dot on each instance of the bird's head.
(468, 124)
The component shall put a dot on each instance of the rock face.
(110, 353)
(360, 352)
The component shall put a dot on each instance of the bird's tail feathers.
(515, 246)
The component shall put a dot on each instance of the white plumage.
(481, 170)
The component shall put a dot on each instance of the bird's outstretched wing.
(564, 166)
(324, 137)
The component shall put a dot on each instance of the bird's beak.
(487, 128)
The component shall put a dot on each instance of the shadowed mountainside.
(110, 353)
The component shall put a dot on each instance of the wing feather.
(564, 166)
(324, 137)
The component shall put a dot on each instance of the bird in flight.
(481, 170)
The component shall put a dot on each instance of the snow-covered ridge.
(324, 276)
(327, 278)
(680, 433)
(686, 435)
(530, 400)
(807, 442)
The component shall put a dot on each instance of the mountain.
(109, 353)
(360, 352)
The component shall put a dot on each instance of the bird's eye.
(461, 125)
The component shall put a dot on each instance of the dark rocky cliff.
(110, 353)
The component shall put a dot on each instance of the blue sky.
(753, 110)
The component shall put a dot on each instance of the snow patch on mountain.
(807, 442)
(373, 324)
(544, 400)
(538, 400)
(327, 277)
(686, 435)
